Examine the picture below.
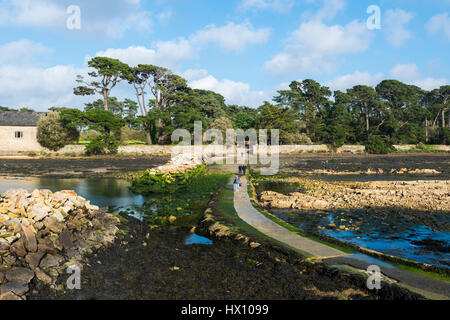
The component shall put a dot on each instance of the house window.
(19, 134)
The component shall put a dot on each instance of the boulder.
(14, 287)
(20, 275)
(41, 275)
(50, 260)
(39, 211)
(9, 296)
(29, 238)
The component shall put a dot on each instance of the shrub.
(102, 145)
(160, 182)
(295, 138)
(128, 134)
(53, 134)
(378, 145)
(90, 135)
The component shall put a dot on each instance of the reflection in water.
(112, 193)
(394, 236)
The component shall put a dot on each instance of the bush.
(52, 134)
(295, 138)
(378, 145)
(167, 182)
(128, 134)
(90, 135)
(102, 144)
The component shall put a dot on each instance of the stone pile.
(43, 233)
(423, 195)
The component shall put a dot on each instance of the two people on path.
(243, 169)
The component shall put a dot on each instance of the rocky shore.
(425, 201)
(43, 233)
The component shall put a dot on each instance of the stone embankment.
(402, 197)
(44, 233)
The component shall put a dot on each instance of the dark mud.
(165, 269)
(364, 162)
(79, 167)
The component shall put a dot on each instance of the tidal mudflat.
(395, 204)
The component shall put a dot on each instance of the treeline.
(391, 113)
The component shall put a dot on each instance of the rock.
(41, 275)
(15, 287)
(20, 275)
(65, 240)
(2, 277)
(50, 260)
(18, 248)
(9, 296)
(58, 216)
(33, 259)
(39, 212)
(29, 238)
(53, 225)
(254, 244)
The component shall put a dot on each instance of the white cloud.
(171, 54)
(282, 6)
(407, 73)
(394, 25)
(235, 92)
(439, 22)
(38, 88)
(21, 51)
(350, 80)
(231, 37)
(97, 19)
(168, 54)
(313, 47)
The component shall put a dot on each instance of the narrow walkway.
(253, 217)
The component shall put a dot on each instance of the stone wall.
(12, 146)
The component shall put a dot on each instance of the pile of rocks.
(43, 233)
(423, 195)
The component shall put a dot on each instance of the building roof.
(20, 119)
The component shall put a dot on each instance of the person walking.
(244, 169)
(236, 183)
(240, 169)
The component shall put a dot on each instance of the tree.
(109, 127)
(108, 72)
(53, 134)
(272, 116)
(222, 124)
(366, 100)
(114, 105)
(309, 98)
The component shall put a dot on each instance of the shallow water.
(196, 239)
(395, 238)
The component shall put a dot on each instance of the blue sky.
(244, 49)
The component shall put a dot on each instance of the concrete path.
(253, 217)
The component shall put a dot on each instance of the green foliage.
(378, 145)
(167, 182)
(53, 134)
(180, 197)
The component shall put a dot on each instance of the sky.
(245, 50)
